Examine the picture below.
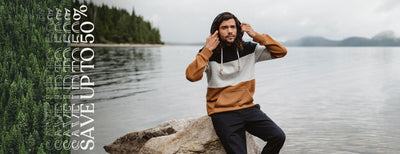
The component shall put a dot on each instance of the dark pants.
(231, 126)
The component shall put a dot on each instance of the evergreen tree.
(41, 149)
(22, 75)
(114, 25)
(30, 144)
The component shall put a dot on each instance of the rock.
(178, 137)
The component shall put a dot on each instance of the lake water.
(326, 99)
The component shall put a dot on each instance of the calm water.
(327, 100)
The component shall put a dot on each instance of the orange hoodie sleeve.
(277, 50)
(194, 72)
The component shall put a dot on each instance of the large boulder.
(176, 136)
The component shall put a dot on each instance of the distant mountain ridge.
(386, 38)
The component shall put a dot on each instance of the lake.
(326, 99)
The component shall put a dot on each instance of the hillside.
(386, 38)
(113, 25)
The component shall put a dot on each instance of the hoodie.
(230, 73)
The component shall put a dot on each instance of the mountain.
(386, 38)
(310, 41)
(384, 35)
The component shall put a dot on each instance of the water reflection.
(327, 100)
(122, 72)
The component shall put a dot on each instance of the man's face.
(227, 30)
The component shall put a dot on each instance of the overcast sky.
(190, 20)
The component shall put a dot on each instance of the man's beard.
(228, 43)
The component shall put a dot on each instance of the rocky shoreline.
(176, 136)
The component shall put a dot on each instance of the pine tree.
(22, 149)
(11, 141)
(2, 141)
(22, 124)
(41, 149)
(30, 144)
(12, 106)
(22, 75)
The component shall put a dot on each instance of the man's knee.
(280, 136)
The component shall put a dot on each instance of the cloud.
(190, 20)
(388, 5)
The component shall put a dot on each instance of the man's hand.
(212, 41)
(247, 28)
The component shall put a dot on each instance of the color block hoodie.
(230, 73)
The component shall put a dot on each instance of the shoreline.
(114, 45)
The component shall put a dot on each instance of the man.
(229, 64)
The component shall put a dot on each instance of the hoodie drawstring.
(222, 60)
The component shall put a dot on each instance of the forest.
(26, 125)
(28, 121)
(115, 25)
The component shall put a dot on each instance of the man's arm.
(194, 71)
(276, 49)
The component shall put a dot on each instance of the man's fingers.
(244, 27)
(212, 41)
(215, 33)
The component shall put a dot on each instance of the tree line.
(113, 25)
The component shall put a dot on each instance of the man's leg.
(230, 128)
(260, 125)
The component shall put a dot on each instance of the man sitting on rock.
(229, 63)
